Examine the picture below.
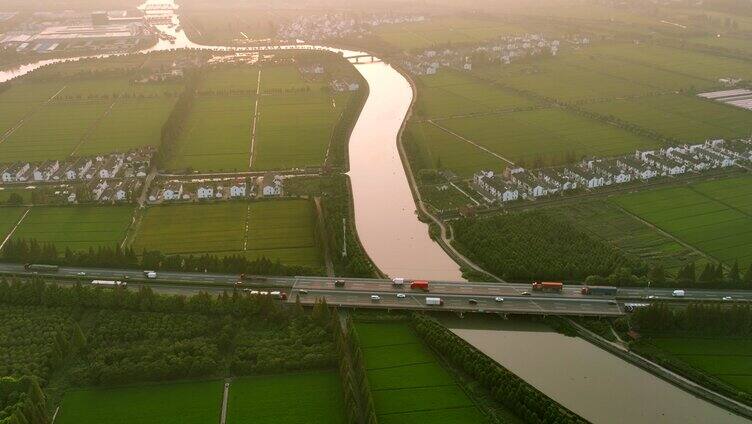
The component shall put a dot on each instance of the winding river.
(385, 212)
(600, 387)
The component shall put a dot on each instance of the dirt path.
(225, 396)
(468, 141)
(255, 120)
(15, 227)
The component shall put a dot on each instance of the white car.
(401, 295)
(498, 299)
(81, 273)
(727, 298)
(650, 297)
(303, 291)
(375, 298)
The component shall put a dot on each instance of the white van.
(678, 293)
(375, 298)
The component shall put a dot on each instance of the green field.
(714, 217)
(444, 30)
(278, 230)
(684, 118)
(450, 93)
(607, 221)
(78, 228)
(9, 216)
(180, 403)
(729, 360)
(407, 381)
(217, 135)
(312, 397)
(547, 136)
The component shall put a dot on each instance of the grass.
(549, 136)
(684, 118)
(407, 381)
(217, 135)
(9, 216)
(725, 359)
(450, 93)
(287, 398)
(278, 230)
(713, 216)
(607, 221)
(78, 228)
(184, 403)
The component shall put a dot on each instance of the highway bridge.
(357, 292)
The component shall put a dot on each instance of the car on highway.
(339, 283)
(304, 291)
(472, 301)
(498, 299)
(401, 295)
(727, 298)
(525, 293)
(81, 273)
(375, 298)
(651, 297)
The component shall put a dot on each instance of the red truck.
(552, 286)
(419, 285)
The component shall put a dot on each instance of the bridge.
(457, 296)
(357, 57)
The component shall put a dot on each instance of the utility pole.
(344, 237)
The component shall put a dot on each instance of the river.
(595, 384)
(385, 217)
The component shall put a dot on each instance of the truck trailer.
(599, 290)
(434, 301)
(41, 267)
(550, 286)
(419, 285)
(398, 282)
(108, 283)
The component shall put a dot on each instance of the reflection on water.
(385, 215)
(599, 386)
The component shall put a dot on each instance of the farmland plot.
(400, 367)
(714, 217)
(78, 228)
(177, 403)
(20, 100)
(9, 216)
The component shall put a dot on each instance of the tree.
(733, 275)
(657, 274)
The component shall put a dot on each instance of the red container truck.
(548, 286)
(419, 285)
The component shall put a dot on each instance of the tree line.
(176, 120)
(22, 401)
(697, 319)
(353, 374)
(32, 251)
(524, 400)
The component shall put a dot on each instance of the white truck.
(434, 301)
(398, 282)
(150, 274)
(678, 293)
(108, 283)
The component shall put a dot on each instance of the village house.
(16, 173)
(270, 185)
(588, 178)
(639, 169)
(172, 191)
(204, 192)
(238, 190)
(109, 168)
(532, 186)
(45, 171)
(666, 165)
(495, 186)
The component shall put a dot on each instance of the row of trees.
(22, 401)
(31, 251)
(353, 373)
(537, 245)
(697, 318)
(176, 121)
(514, 393)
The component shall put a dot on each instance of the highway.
(457, 296)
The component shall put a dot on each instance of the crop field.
(441, 31)
(729, 360)
(284, 78)
(9, 216)
(179, 403)
(450, 93)
(684, 118)
(21, 99)
(399, 368)
(607, 221)
(217, 135)
(278, 230)
(294, 131)
(432, 147)
(549, 136)
(53, 132)
(714, 216)
(312, 397)
(231, 78)
(77, 228)
(739, 45)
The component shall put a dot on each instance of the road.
(518, 298)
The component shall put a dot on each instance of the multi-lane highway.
(456, 296)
